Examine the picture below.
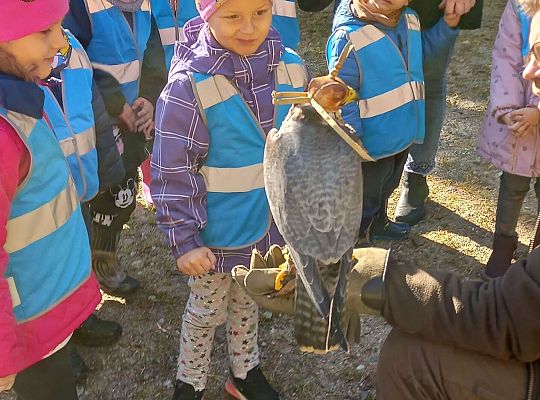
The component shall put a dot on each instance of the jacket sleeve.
(11, 157)
(180, 146)
(438, 41)
(507, 86)
(110, 166)
(497, 318)
(350, 73)
(154, 74)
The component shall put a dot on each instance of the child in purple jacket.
(212, 119)
(509, 137)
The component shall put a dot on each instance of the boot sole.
(231, 389)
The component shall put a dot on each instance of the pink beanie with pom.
(20, 18)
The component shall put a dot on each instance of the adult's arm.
(154, 74)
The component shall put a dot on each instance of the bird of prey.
(313, 181)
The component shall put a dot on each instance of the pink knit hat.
(208, 7)
(20, 18)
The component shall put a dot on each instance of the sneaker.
(254, 387)
(185, 391)
(391, 231)
(97, 332)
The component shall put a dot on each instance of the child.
(389, 116)
(46, 286)
(122, 42)
(284, 21)
(509, 137)
(207, 184)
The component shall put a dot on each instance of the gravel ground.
(456, 235)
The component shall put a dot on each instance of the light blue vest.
(47, 242)
(391, 103)
(237, 207)
(168, 29)
(285, 22)
(117, 49)
(74, 124)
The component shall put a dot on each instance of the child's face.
(241, 26)
(389, 5)
(35, 52)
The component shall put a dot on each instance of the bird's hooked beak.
(352, 95)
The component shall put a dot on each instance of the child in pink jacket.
(510, 135)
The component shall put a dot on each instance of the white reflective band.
(233, 180)
(291, 74)
(123, 73)
(79, 60)
(168, 35)
(24, 123)
(15, 298)
(86, 142)
(95, 6)
(365, 36)
(215, 90)
(391, 100)
(41, 222)
(413, 23)
(284, 8)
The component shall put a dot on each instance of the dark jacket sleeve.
(78, 23)
(110, 166)
(498, 318)
(154, 74)
(429, 13)
(314, 5)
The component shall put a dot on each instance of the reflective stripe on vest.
(74, 121)
(285, 21)
(47, 242)
(391, 102)
(237, 207)
(164, 17)
(116, 48)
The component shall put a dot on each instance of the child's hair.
(530, 6)
(10, 66)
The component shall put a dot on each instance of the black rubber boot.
(500, 260)
(184, 391)
(254, 387)
(97, 332)
(384, 229)
(78, 366)
(105, 264)
(411, 207)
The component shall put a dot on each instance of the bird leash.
(305, 98)
(535, 241)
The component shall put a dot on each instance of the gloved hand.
(270, 280)
(366, 283)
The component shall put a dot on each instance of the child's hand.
(452, 20)
(6, 383)
(144, 111)
(524, 120)
(127, 119)
(197, 262)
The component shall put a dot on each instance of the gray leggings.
(512, 192)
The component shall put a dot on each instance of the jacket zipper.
(136, 44)
(532, 377)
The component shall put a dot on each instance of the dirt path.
(456, 236)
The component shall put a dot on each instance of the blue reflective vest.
(391, 104)
(74, 123)
(47, 242)
(115, 47)
(237, 207)
(168, 29)
(525, 21)
(285, 21)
